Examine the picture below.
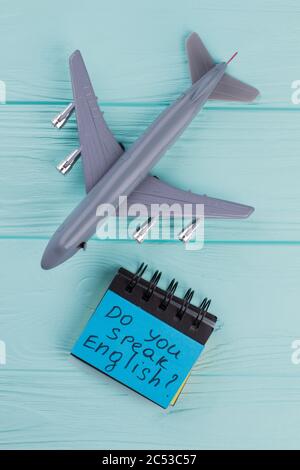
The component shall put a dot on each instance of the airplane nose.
(54, 254)
(50, 259)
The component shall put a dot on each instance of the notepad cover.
(137, 349)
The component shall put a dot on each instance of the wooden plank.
(243, 393)
(228, 154)
(243, 382)
(136, 52)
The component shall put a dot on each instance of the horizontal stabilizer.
(231, 89)
(200, 62)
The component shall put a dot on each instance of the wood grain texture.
(224, 153)
(243, 384)
(136, 53)
(244, 391)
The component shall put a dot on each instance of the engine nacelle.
(65, 166)
(142, 231)
(189, 231)
(60, 120)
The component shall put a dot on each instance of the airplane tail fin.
(229, 88)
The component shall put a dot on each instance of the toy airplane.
(111, 171)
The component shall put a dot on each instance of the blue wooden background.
(245, 391)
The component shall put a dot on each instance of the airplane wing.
(99, 148)
(155, 193)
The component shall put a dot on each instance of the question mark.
(173, 379)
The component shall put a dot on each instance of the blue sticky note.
(137, 349)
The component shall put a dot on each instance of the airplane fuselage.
(130, 169)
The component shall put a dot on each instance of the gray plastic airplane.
(111, 171)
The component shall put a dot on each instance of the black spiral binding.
(195, 322)
(185, 304)
(203, 310)
(137, 276)
(153, 283)
(168, 295)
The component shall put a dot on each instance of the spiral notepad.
(146, 337)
